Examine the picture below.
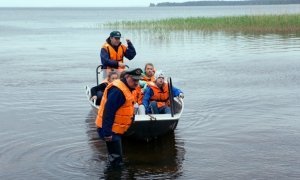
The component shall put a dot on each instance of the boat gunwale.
(146, 117)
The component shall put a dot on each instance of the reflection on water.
(242, 101)
(161, 158)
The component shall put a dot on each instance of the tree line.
(227, 3)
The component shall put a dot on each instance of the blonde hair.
(112, 73)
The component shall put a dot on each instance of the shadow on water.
(160, 158)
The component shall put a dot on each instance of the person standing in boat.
(97, 91)
(116, 113)
(113, 52)
(156, 95)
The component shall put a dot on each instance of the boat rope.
(152, 118)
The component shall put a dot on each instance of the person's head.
(149, 70)
(159, 78)
(133, 76)
(113, 75)
(115, 38)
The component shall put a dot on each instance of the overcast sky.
(81, 3)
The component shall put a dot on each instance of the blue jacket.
(106, 61)
(149, 93)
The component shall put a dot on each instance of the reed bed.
(287, 23)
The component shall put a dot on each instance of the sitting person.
(138, 97)
(148, 75)
(156, 96)
(138, 93)
(97, 91)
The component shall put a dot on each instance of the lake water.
(242, 96)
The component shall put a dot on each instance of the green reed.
(248, 23)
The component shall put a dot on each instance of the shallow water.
(241, 98)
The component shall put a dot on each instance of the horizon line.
(69, 6)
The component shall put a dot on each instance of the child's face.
(113, 77)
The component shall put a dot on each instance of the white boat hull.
(150, 126)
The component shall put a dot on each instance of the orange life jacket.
(147, 79)
(137, 95)
(161, 96)
(138, 92)
(124, 115)
(115, 55)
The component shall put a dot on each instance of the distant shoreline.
(226, 3)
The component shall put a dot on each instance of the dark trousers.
(114, 149)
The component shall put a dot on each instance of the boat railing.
(89, 96)
(98, 72)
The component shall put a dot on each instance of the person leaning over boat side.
(97, 91)
(156, 95)
(116, 113)
(113, 52)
